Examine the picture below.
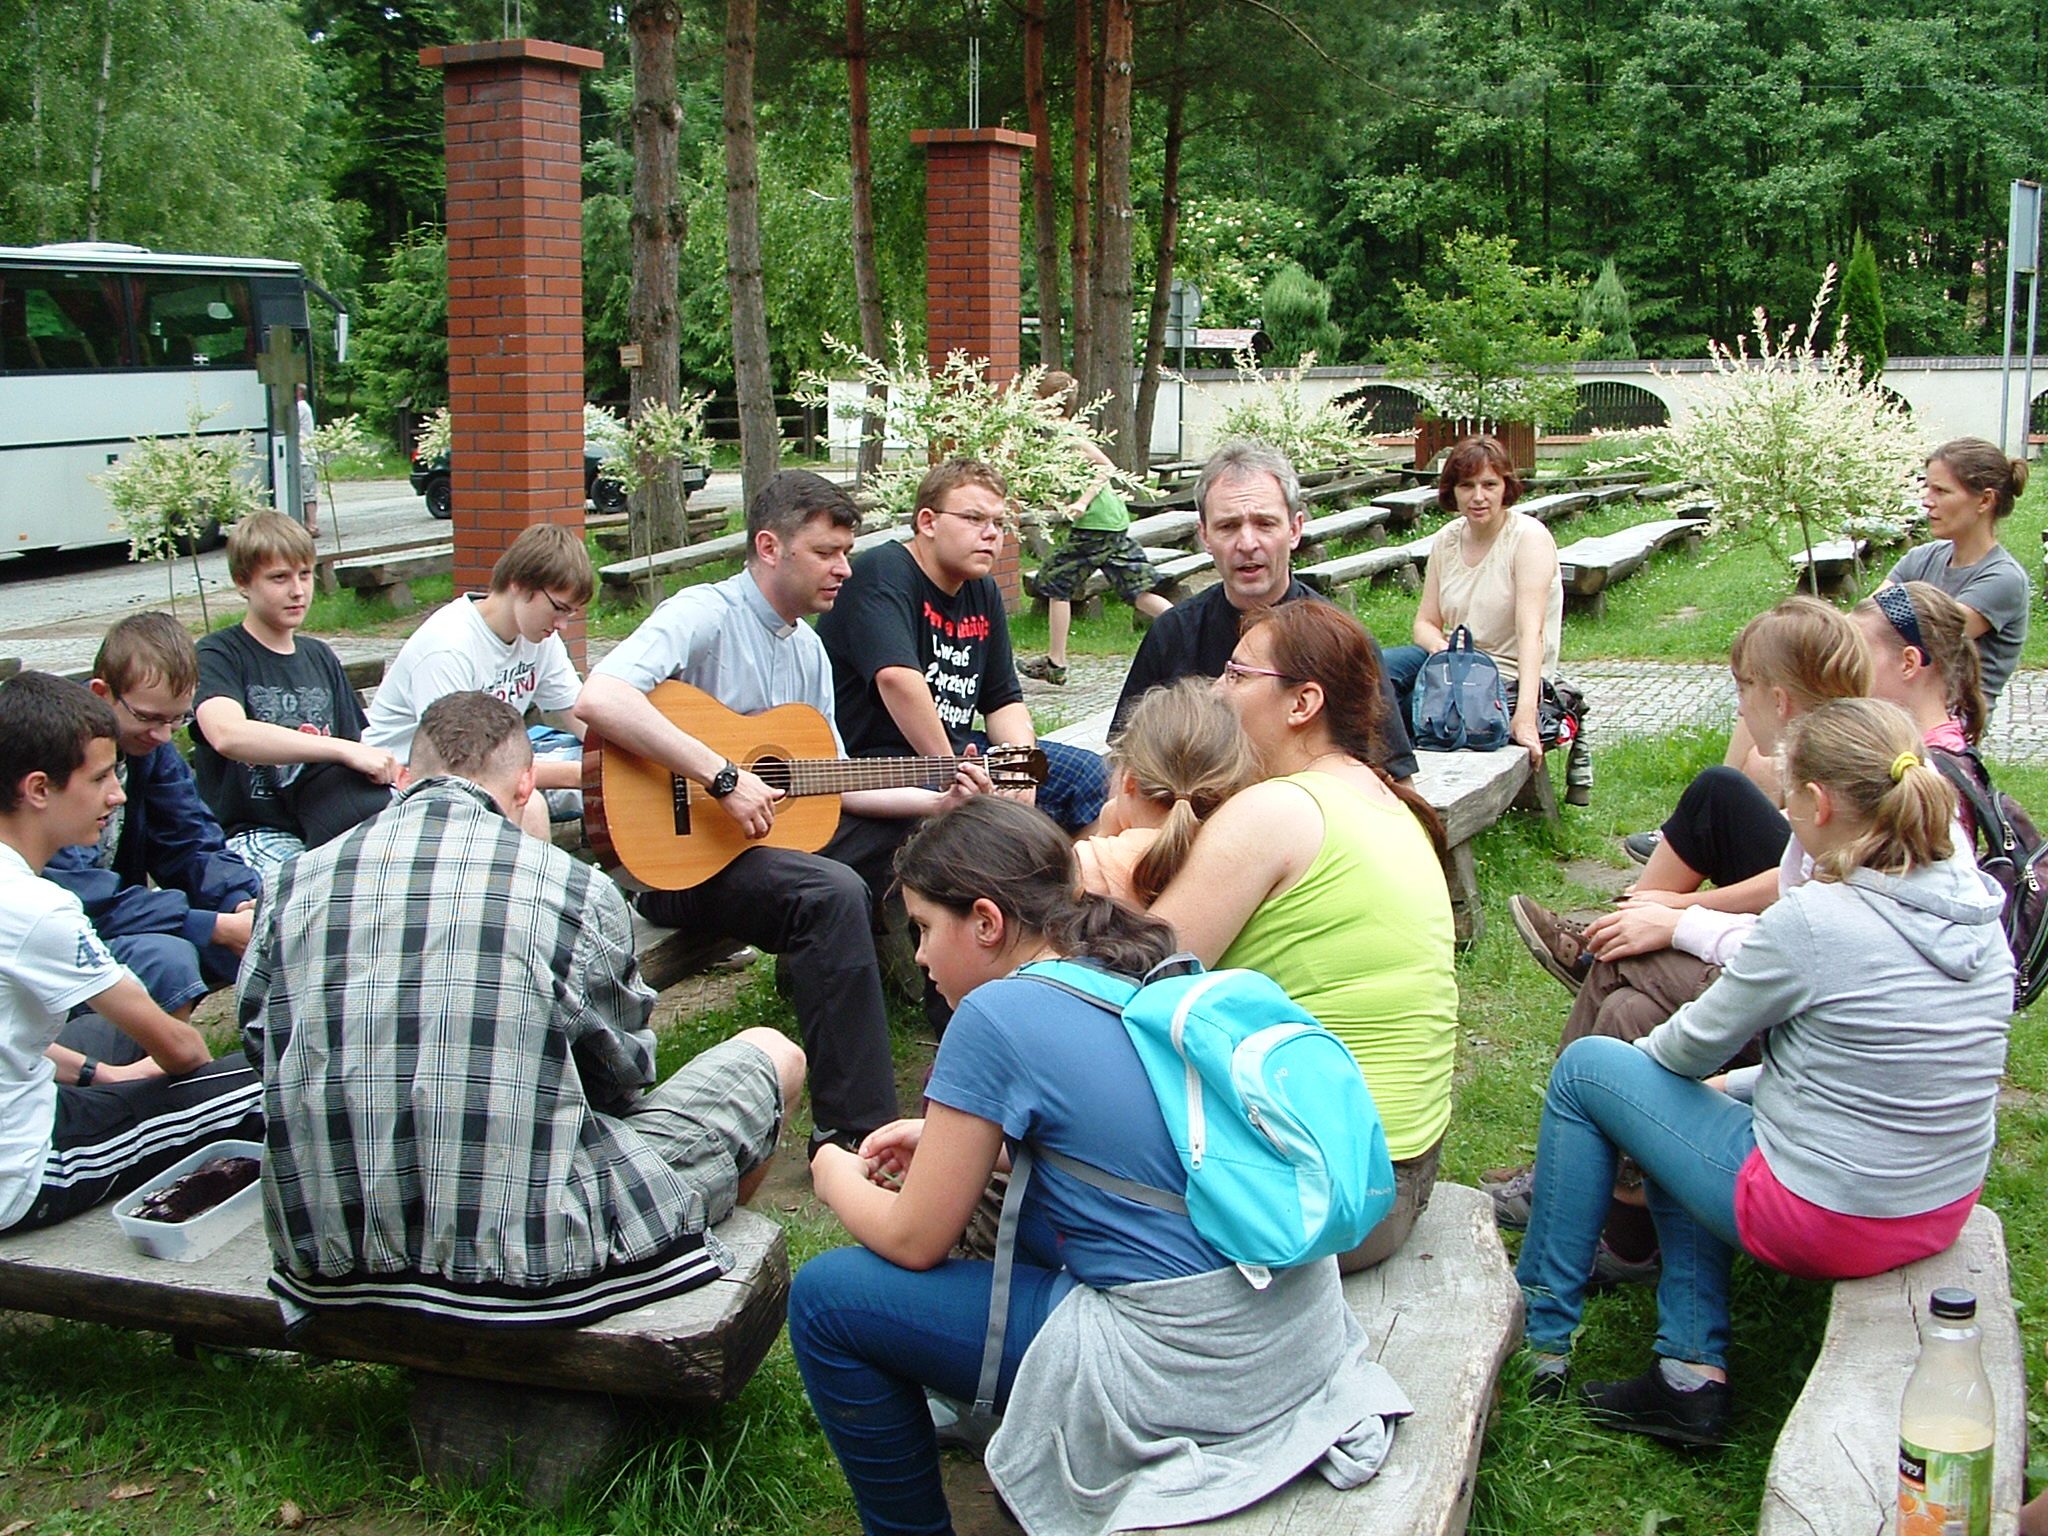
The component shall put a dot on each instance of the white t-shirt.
(456, 651)
(50, 962)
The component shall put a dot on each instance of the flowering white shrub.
(437, 437)
(1268, 404)
(1790, 442)
(167, 490)
(959, 412)
(634, 452)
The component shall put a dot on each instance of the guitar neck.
(837, 775)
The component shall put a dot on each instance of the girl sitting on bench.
(1180, 755)
(1861, 1142)
(1105, 1292)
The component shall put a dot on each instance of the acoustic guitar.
(667, 831)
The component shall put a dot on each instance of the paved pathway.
(1627, 698)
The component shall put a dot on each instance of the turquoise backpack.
(1285, 1155)
(1284, 1151)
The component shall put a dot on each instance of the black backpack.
(2012, 852)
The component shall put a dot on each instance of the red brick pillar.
(515, 293)
(973, 181)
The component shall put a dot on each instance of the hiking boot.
(1610, 1268)
(1640, 845)
(1650, 1405)
(956, 1426)
(1558, 943)
(1512, 1192)
(1045, 669)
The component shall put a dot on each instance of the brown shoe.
(1558, 943)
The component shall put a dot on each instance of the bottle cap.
(1953, 1301)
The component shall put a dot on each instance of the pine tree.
(1604, 308)
(1863, 309)
(1296, 311)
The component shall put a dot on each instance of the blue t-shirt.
(1054, 1071)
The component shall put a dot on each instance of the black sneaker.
(824, 1136)
(1640, 845)
(1650, 1405)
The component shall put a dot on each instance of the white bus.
(102, 344)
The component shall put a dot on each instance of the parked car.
(430, 478)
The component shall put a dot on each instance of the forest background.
(1718, 152)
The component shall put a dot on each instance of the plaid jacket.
(442, 1009)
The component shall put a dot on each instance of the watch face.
(725, 781)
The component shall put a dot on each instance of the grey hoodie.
(1887, 999)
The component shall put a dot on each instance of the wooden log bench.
(1833, 564)
(325, 561)
(1347, 487)
(1404, 507)
(1835, 1469)
(1175, 528)
(390, 576)
(550, 1402)
(1368, 522)
(1469, 790)
(1403, 561)
(1555, 505)
(622, 576)
(1588, 567)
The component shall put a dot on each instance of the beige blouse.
(1482, 597)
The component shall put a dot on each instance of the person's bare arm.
(1535, 574)
(1751, 895)
(174, 1046)
(1010, 726)
(229, 730)
(916, 1226)
(557, 773)
(1256, 845)
(621, 714)
(1428, 628)
(908, 698)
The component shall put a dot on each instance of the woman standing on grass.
(1146, 1381)
(1884, 987)
(1328, 877)
(1970, 485)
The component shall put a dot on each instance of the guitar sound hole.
(772, 771)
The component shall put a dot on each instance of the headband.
(1901, 763)
(1898, 610)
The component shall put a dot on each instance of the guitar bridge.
(680, 788)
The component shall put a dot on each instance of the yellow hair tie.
(1901, 763)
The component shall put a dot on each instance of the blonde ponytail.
(1867, 754)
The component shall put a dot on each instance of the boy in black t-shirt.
(277, 746)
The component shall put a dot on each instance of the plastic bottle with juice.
(1947, 1425)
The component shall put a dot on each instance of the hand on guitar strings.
(752, 805)
(970, 778)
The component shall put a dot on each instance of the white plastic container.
(183, 1242)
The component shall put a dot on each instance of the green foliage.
(1603, 308)
(1295, 312)
(401, 339)
(635, 452)
(1231, 248)
(1271, 406)
(1792, 444)
(1477, 346)
(957, 412)
(1863, 311)
(170, 491)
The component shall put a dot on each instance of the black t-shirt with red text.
(890, 614)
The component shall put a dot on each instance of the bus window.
(193, 322)
(59, 320)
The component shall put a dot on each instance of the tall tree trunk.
(99, 122)
(1044, 214)
(867, 277)
(1113, 279)
(1163, 254)
(1096, 375)
(1084, 86)
(760, 441)
(35, 116)
(659, 223)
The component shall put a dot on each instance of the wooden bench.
(542, 1395)
(1555, 505)
(1835, 1469)
(325, 561)
(1469, 790)
(1442, 1314)
(1174, 528)
(1333, 527)
(1834, 564)
(390, 576)
(1404, 561)
(1347, 487)
(1588, 567)
(622, 576)
(1404, 507)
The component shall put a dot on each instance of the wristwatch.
(723, 782)
(87, 1070)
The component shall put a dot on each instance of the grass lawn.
(223, 1443)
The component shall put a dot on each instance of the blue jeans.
(1403, 665)
(869, 1336)
(1076, 783)
(1606, 1098)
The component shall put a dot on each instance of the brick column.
(515, 293)
(973, 285)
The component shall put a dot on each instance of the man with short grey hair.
(1249, 502)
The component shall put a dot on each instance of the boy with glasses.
(505, 643)
(159, 884)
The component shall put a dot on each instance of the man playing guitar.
(743, 641)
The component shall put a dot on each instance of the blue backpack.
(1458, 703)
(1285, 1155)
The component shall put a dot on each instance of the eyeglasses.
(144, 717)
(982, 523)
(1237, 672)
(562, 610)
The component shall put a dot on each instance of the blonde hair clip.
(1901, 763)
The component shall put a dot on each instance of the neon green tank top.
(1363, 941)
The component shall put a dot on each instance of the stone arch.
(1394, 406)
(2037, 416)
(1610, 405)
